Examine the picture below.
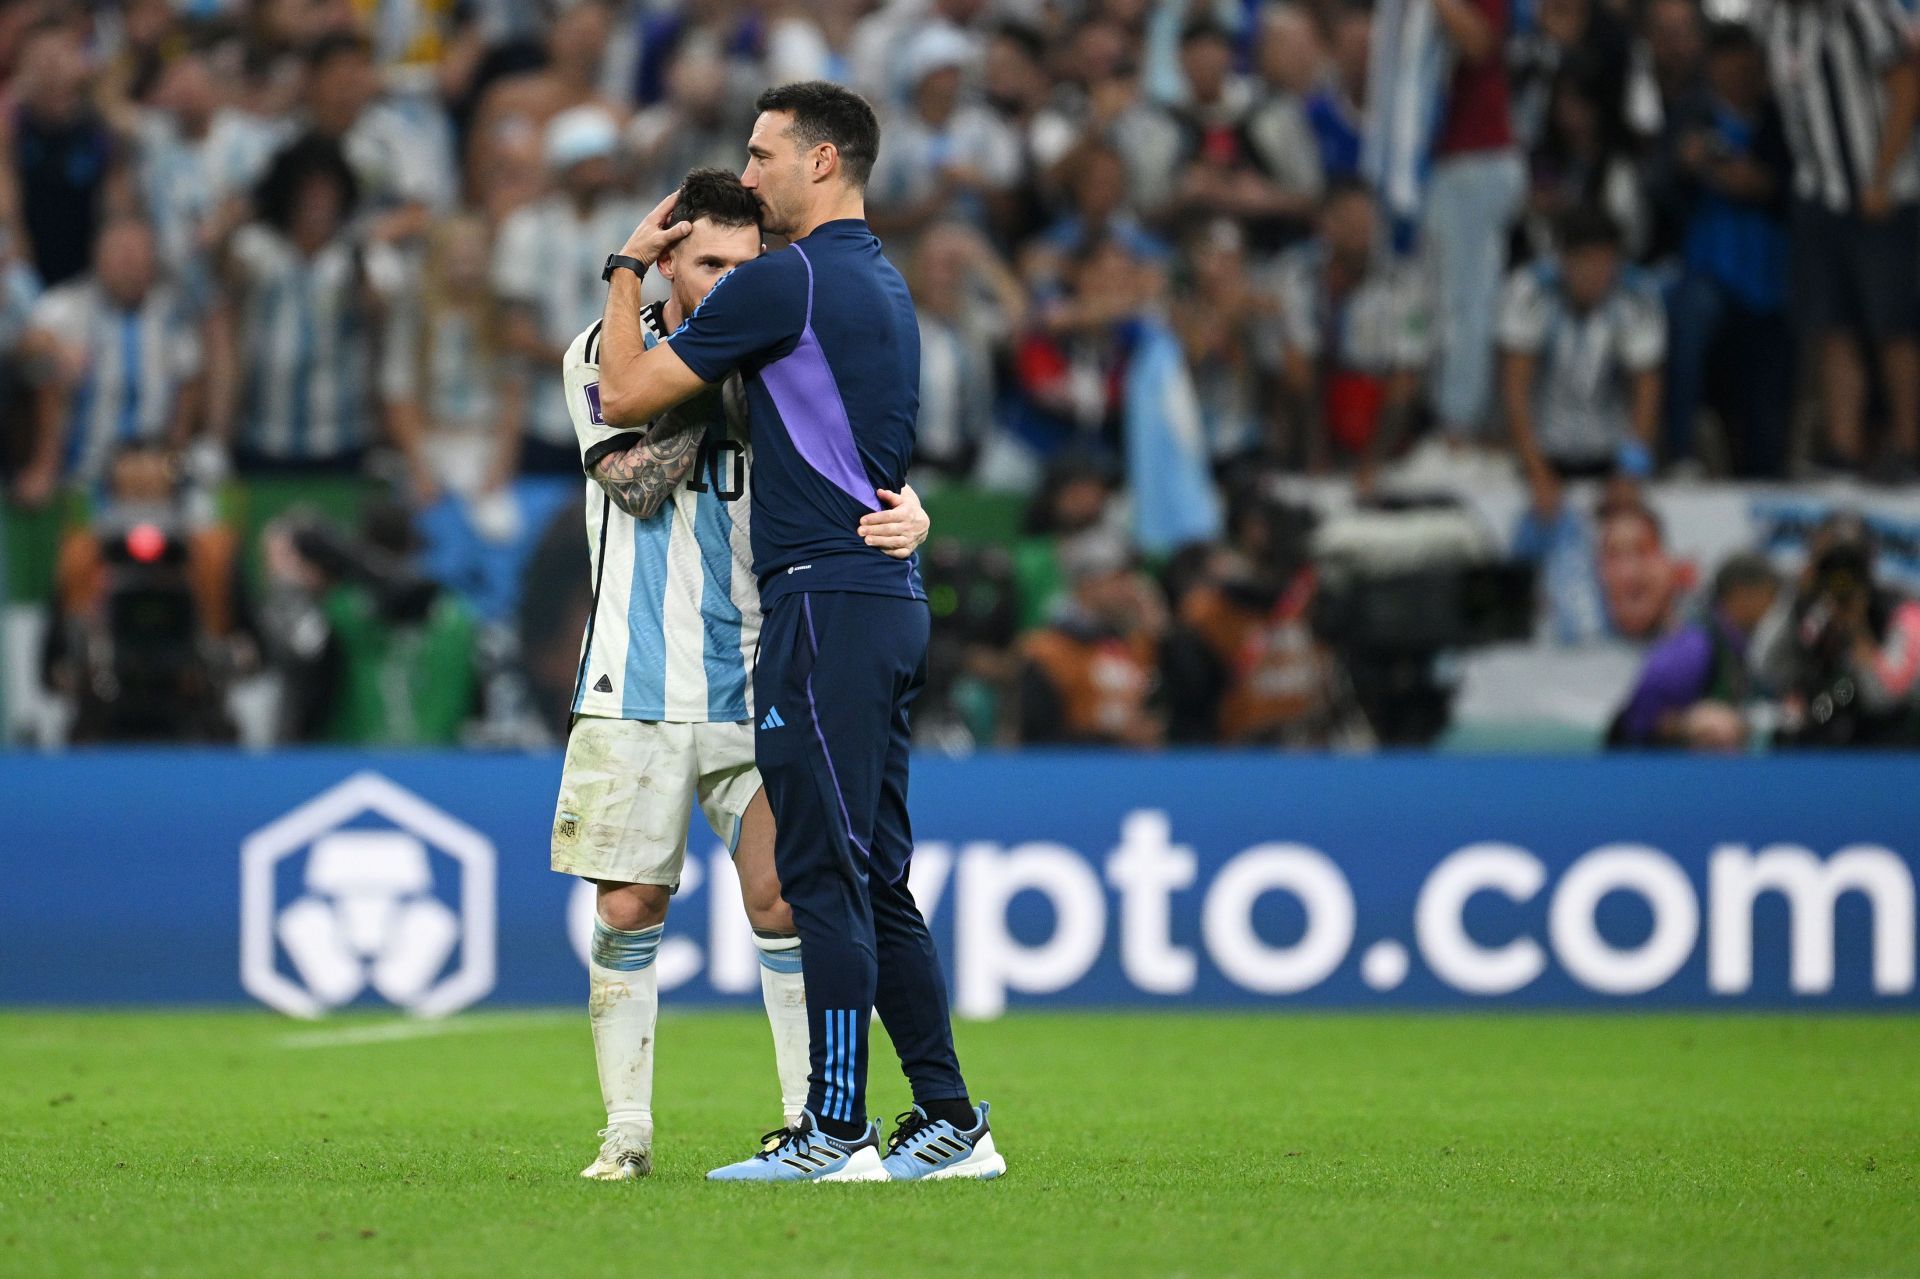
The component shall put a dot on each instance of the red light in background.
(146, 543)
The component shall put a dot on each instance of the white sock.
(623, 1005)
(784, 991)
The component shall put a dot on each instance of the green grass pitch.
(216, 1144)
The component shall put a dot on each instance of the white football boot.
(626, 1154)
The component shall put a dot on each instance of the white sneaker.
(626, 1154)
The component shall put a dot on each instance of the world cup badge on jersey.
(367, 892)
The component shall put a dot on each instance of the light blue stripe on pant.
(834, 1093)
(827, 1109)
(843, 1064)
(845, 1092)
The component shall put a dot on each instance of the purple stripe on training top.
(803, 390)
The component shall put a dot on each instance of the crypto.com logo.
(365, 913)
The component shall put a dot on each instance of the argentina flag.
(1407, 74)
(1174, 498)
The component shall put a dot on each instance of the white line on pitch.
(414, 1028)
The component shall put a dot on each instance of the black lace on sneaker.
(908, 1125)
(771, 1142)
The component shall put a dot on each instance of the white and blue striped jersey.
(1411, 62)
(184, 180)
(307, 339)
(137, 362)
(676, 608)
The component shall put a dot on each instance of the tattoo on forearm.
(641, 479)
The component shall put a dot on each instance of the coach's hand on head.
(638, 383)
(653, 236)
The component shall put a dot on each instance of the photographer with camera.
(1847, 662)
(1091, 677)
(972, 671)
(1241, 661)
(144, 601)
(370, 651)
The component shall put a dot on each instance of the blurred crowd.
(285, 286)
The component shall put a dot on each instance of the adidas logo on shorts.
(772, 720)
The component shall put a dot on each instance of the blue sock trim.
(780, 963)
(779, 954)
(623, 951)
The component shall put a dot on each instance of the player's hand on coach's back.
(653, 236)
(900, 527)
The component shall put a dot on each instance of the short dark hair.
(824, 112)
(1031, 43)
(1205, 29)
(336, 44)
(716, 195)
(1743, 571)
(1845, 528)
(1585, 227)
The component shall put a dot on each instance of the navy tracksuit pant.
(836, 674)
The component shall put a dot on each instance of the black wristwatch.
(617, 260)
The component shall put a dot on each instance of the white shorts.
(627, 793)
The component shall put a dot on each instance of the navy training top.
(824, 336)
